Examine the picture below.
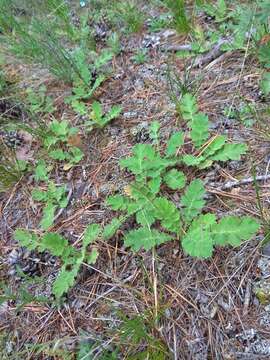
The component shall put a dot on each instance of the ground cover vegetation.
(134, 171)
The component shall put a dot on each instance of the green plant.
(53, 197)
(57, 245)
(245, 113)
(219, 10)
(137, 339)
(129, 13)
(91, 78)
(98, 119)
(59, 134)
(141, 56)
(38, 102)
(198, 232)
(180, 19)
(159, 23)
(114, 43)
(265, 83)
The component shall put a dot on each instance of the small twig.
(233, 184)
(247, 298)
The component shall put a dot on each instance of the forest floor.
(207, 309)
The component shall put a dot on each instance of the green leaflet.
(26, 238)
(118, 202)
(188, 106)
(144, 238)
(230, 152)
(175, 179)
(91, 234)
(48, 216)
(197, 121)
(110, 229)
(265, 83)
(199, 129)
(146, 162)
(168, 214)
(192, 200)
(64, 281)
(198, 241)
(231, 230)
(175, 141)
(54, 243)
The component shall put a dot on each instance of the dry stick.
(232, 184)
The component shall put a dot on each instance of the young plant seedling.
(158, 218)
(57, 245)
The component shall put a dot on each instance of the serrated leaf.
(199, 129)
(168, 213)
(48, 216)
(175, 141)
(191, 160)
(145, 238)
(117, 202)
(198, 240)
(230, 152)
(188, 106)
(26, 239)
(231, 230)
(154, 131)
(39, 195)
(91, 234)
(58, 154)
(41, 171)
(145, 216)
(112, 114)
(142, 153)
(110, 229)
(154, 184)
(76, 155)
(64, 281)
(54, 243)
(192, 200)
(92, 257)
(59, 128)
(175, 179)
(215, 145)
(96, 111)
(264, 55)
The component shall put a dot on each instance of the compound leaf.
(188, 107)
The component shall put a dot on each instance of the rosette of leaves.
(161, 220)
(58, 246)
